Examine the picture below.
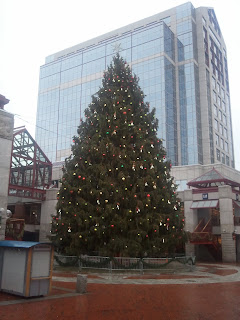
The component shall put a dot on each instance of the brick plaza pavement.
(211, 291)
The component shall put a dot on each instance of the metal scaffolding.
(31, 170)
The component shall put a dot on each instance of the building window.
(227, 161)
(218, 154)
(223, 106)
(222, 144)
(216, 124)
(224, 119)
(226, 146)
(228, 102)
(220, 115)
(225, 133)
(213, 82)
(181, 185)
(214, 97)
(217, 139)
(215, 110)
(221, 129)
(223, 157)
(223, 93)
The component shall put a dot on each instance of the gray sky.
(30, 30)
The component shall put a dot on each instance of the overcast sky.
(30, 30)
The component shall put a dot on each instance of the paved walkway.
(202, 273)
(211, 291)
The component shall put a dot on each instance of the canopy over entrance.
(204, 204)
(212, 178)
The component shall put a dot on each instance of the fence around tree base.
(125, 263)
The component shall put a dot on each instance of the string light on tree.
(116, 187)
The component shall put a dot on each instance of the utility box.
(26, 268)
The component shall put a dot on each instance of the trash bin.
(26, 267)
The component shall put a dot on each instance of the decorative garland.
(162, 265)
(94, 264)
(154, 265)
(72, 262)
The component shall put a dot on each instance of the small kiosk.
(26, 267)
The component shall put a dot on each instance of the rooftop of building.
(115, 33)
(212, 178)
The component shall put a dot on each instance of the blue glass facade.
(66, 86)
(190, 116)
(163, 52)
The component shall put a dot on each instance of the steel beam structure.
(31, 170)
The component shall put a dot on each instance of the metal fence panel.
(122, 263)
(94, 262)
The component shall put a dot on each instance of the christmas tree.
(117, 196)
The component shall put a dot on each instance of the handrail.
(199, 224)
(208, 224)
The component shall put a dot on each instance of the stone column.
(47, 210)
(190, 220)
(227, 224)
(6, 136)
(3, 219)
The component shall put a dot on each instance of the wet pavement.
(210, 291)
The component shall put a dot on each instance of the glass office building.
(180, 58)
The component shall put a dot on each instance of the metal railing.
(124, 263)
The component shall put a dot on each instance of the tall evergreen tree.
(117, 196)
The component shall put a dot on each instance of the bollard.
(81, 284)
